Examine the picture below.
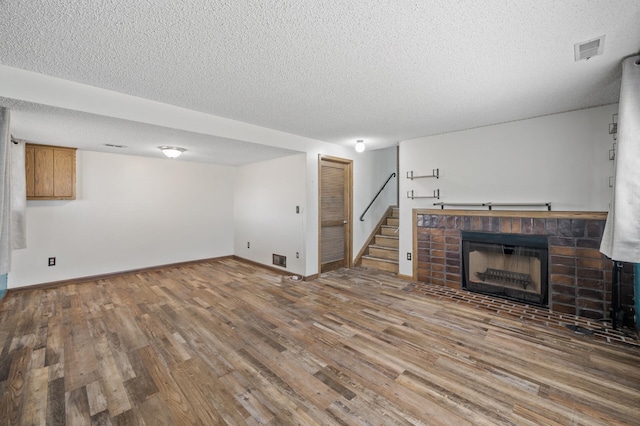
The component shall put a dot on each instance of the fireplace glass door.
(506, 265)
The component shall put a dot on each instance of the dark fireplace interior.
(509, 266)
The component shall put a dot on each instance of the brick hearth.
(579, 275)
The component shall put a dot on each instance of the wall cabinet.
(51, 172)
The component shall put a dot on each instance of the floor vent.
(280, 260)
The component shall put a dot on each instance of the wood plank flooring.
(225, 342)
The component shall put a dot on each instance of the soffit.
(47, 125)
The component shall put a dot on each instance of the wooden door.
(335, 213)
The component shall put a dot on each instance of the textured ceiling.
(333, 70)
(56, 126)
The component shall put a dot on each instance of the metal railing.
(374, 198)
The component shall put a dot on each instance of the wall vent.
(587, 49)
(280, 260)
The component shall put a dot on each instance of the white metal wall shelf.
(613, 131)
(412, 196)
(434, 174)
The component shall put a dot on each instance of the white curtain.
(621, 239)
(18, 197)
(13, 194)
(5, 192)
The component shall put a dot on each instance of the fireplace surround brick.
(579, 275)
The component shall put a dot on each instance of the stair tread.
(379, 259)
(390, 226)
(387, 236)
(384, 247)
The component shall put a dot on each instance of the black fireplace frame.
(539, 242)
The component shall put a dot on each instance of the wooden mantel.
(516, 213)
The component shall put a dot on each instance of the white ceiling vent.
(587, 49)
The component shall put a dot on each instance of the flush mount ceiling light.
(360, 145)
(171, 151)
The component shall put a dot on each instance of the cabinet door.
(30, 169)
(43, 172)
(50, 172)
(63, 173)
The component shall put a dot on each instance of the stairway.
(382, 253)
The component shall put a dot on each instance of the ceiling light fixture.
(360, 145)
(171, 151)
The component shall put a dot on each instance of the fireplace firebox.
(510, 266)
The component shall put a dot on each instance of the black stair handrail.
(374, 198)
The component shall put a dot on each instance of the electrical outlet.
(52, 261)
(297, 209)
(248, 244)
(408, 256)
(297, 255)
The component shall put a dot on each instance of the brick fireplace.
(580, 277)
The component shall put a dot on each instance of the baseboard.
(277, 270)
(269, 267)
(405, 277)
(111, 275)
(54, 284)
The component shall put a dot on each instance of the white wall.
(560, 158)
(130, 212)
(47, 90)
(120, 219)
(266, 194)
(371, 170)
(265, 198)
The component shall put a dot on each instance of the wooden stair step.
(384, 252)
(383, 247)
(387, 241)
(393, 221)
(390, 261)
(389, 230)
(380, 264)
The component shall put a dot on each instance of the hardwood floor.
(226, 342)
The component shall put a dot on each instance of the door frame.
(348, 201)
